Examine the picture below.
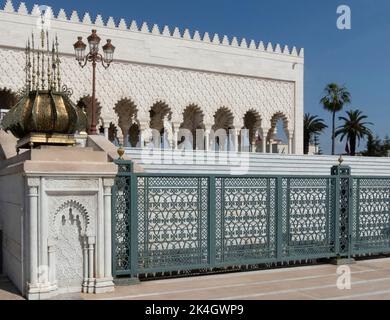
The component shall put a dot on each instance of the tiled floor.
(370, 280)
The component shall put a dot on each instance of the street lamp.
(93, 56)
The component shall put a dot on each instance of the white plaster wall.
(12, 220)
(177, 67)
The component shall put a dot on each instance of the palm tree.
(334, 100)
(312, 126)
(354, 129)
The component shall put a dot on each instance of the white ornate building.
(163, 74)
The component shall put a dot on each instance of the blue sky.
(358, 58)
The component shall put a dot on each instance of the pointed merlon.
(252, 45)
(156, 30)
(234, 42)
(166, 32)
(225, 41)
(270, 47)
(133, 26)
(49, 14)
(122, 24)
(74, 17)
(62, 15)
(196, 36)
(261, 46)
(99, 21)
(87, 18)
(216, 39)
(294, 52)
(144, 27)
(22, 8)
(206, 37)
(187, 34)
(243, 44)
(111, 23)
(176, 33)
(9, 7)
(36, 11)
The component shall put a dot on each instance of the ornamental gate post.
(343, 211)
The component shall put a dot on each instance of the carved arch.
(81, 216)
(223, 119)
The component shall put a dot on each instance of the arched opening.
(86, 102)
(192, 121)
(278, 136)
(7, 100)
(223, 123)
(134, 133)
(251, 138)
(127, 121)
(161, 122)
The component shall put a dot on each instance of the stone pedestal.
(61, 227)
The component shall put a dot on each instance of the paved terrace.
(370, 280)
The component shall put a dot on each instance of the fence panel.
(191, 222)
(371, 215)
(308, 218)
(245, 220)
(172, 223)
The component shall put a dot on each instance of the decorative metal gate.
(168, 223)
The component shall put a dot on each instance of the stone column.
(107, 184)
(120, 137)
(207, 133)
(91, 264)
(85, 265)
(33, 195)
(144, 133)
(264, 131)
(270, 143)
(175, 137)
(291, 143)
(236, 134)
(52, 262)
(106, 128)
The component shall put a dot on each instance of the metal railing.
(173, 222)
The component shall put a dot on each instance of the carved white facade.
(73, 247)
(175, 68)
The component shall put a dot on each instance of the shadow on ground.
(8, 290)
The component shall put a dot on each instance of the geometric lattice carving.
(172, 222)
(308, 216)
(145, 85)
(121, 218)
(245, 219)
(371, 219)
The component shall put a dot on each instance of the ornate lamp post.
(94, 56)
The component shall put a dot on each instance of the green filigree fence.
(169, 223)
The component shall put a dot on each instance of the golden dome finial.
(341, 160)
(121, 152)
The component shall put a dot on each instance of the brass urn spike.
(341, 160)
(121, 152)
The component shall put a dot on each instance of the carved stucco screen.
(177, 68)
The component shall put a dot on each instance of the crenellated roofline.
(154, 29)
